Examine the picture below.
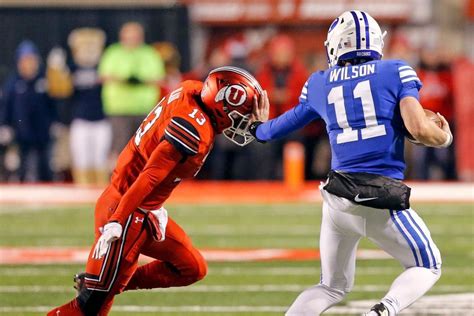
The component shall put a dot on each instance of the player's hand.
(110, 233)
(444, 123)
(261, 108)
(157, 222)
(446, 129)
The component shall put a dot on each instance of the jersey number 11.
(361, 91)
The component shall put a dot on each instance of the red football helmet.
(228, 94)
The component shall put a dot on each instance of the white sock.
(409, 286)
(315, 300)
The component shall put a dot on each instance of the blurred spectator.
(30, 112)
(57, 73)
(218, 57)
(91, 133)
(283, 76)
(315, 141)
(437, 96)
(172, 62)
(131, 71)
(238, 50)
(60, 89)
(229, 161)
(6, 137)
(401, 48)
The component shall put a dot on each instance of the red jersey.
(171, 144)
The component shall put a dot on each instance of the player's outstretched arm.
(286, 123)
(421, 127)
(162, 161)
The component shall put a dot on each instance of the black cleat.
(79, 282)
(378, 310)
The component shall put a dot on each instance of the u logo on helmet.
(235, 95)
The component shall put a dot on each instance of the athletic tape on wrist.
(448, 141)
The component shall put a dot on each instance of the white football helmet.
(354, 35)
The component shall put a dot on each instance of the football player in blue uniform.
(369, 105)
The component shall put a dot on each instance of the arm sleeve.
(286, 123)
(162, 161)
(410, 84)
(289, 121)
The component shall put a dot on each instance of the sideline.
(192, 192)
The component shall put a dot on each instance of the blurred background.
(78, 77)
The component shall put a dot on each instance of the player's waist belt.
(369, 189)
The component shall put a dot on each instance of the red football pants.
(177, 263)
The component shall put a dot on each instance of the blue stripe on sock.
(367, 33)
(416, 237)
(392, 215)
(357, 24)
(435, 263)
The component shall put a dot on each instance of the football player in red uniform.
(171, 144)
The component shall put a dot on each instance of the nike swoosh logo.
(358, 199)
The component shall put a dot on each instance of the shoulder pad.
(183, 136)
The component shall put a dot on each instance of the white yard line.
(231, 271)
(162, 309)
(452, 304)
(315, 271)
(225, 288)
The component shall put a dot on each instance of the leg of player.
(338, 254)
(406, 237)
(178, 262)
(108, 276)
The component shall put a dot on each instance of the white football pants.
(402, 234)
(90, 143)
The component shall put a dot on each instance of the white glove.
(158, 226)
(110, 233)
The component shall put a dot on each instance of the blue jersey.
(360, 105)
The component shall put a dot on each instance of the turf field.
(232, 288)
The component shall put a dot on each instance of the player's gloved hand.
(110, 233)
(157, 222)
(447, 130)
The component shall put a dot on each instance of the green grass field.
(237, 288)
